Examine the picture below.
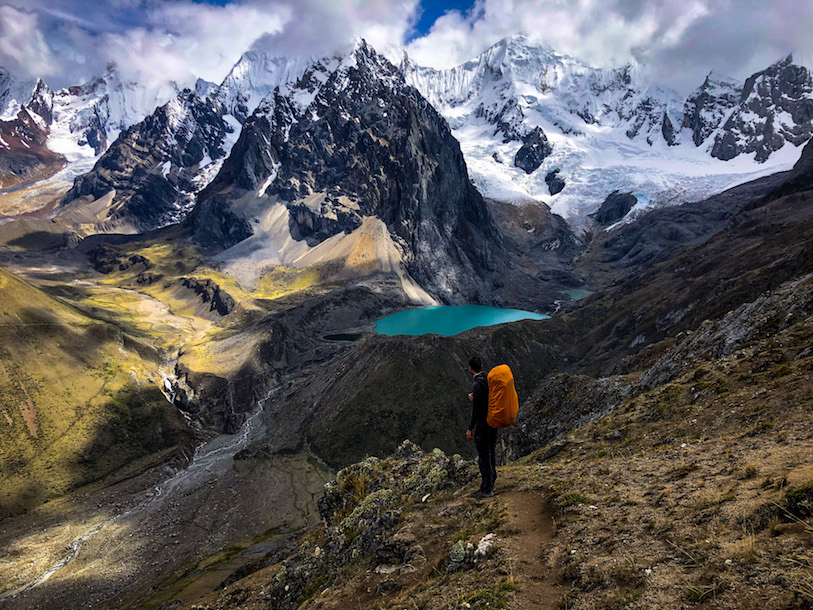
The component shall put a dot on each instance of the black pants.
(485, 439)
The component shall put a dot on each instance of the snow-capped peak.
(522, 111)
(14, 93)
(253, 77)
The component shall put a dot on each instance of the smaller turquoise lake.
(449, 320)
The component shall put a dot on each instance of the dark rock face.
(153, 165)
(614, 208)
(555, 182)
(535, 147)
(107, 259)
(708, 105)
(781, 91)
(365, 145)
(219, 300)
(668, 130)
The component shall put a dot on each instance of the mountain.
(775, 107)
(522, 111)
(348, 148)
(53, 137)
(149, 176)
(24, 154)
(154, 169)
(253, 77)
(709, 105)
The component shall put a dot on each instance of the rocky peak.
(708, 105)
(781, 99)
(781, 79)
(351, 140)
(255, 76)
(13, 94)
(42, 102)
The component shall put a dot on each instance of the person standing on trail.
(485, 437)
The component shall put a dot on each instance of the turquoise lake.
(449, 320)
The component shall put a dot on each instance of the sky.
(153, 41)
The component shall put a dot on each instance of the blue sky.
(428, 12)
(431, 10)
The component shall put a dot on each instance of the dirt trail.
(531, 518)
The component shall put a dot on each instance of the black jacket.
(479, 403)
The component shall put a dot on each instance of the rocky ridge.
(155, 167)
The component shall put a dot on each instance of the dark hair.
(476, 364)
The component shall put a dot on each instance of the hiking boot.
(482, 493)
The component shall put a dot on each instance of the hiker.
(485, 437)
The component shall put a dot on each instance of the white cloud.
(155, 41)
(186, 40)
(23, 47)
(318, 27)
(679, 41)
(160, 40)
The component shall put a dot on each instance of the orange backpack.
(503, 402)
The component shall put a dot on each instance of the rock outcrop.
(535, 148)
(362, 513)
(775, 107)
(210, 293)
(614, 208)
(555, 182)
(709, 104)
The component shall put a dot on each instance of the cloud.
(185, 40)
(678, 41)
(321, 28)
(22, 44)
(154, 41)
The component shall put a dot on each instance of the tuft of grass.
(698, 593)
(572, 499)
(493, 597)
(625, 599)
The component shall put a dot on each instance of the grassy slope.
(77, 399)
(696, 493)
